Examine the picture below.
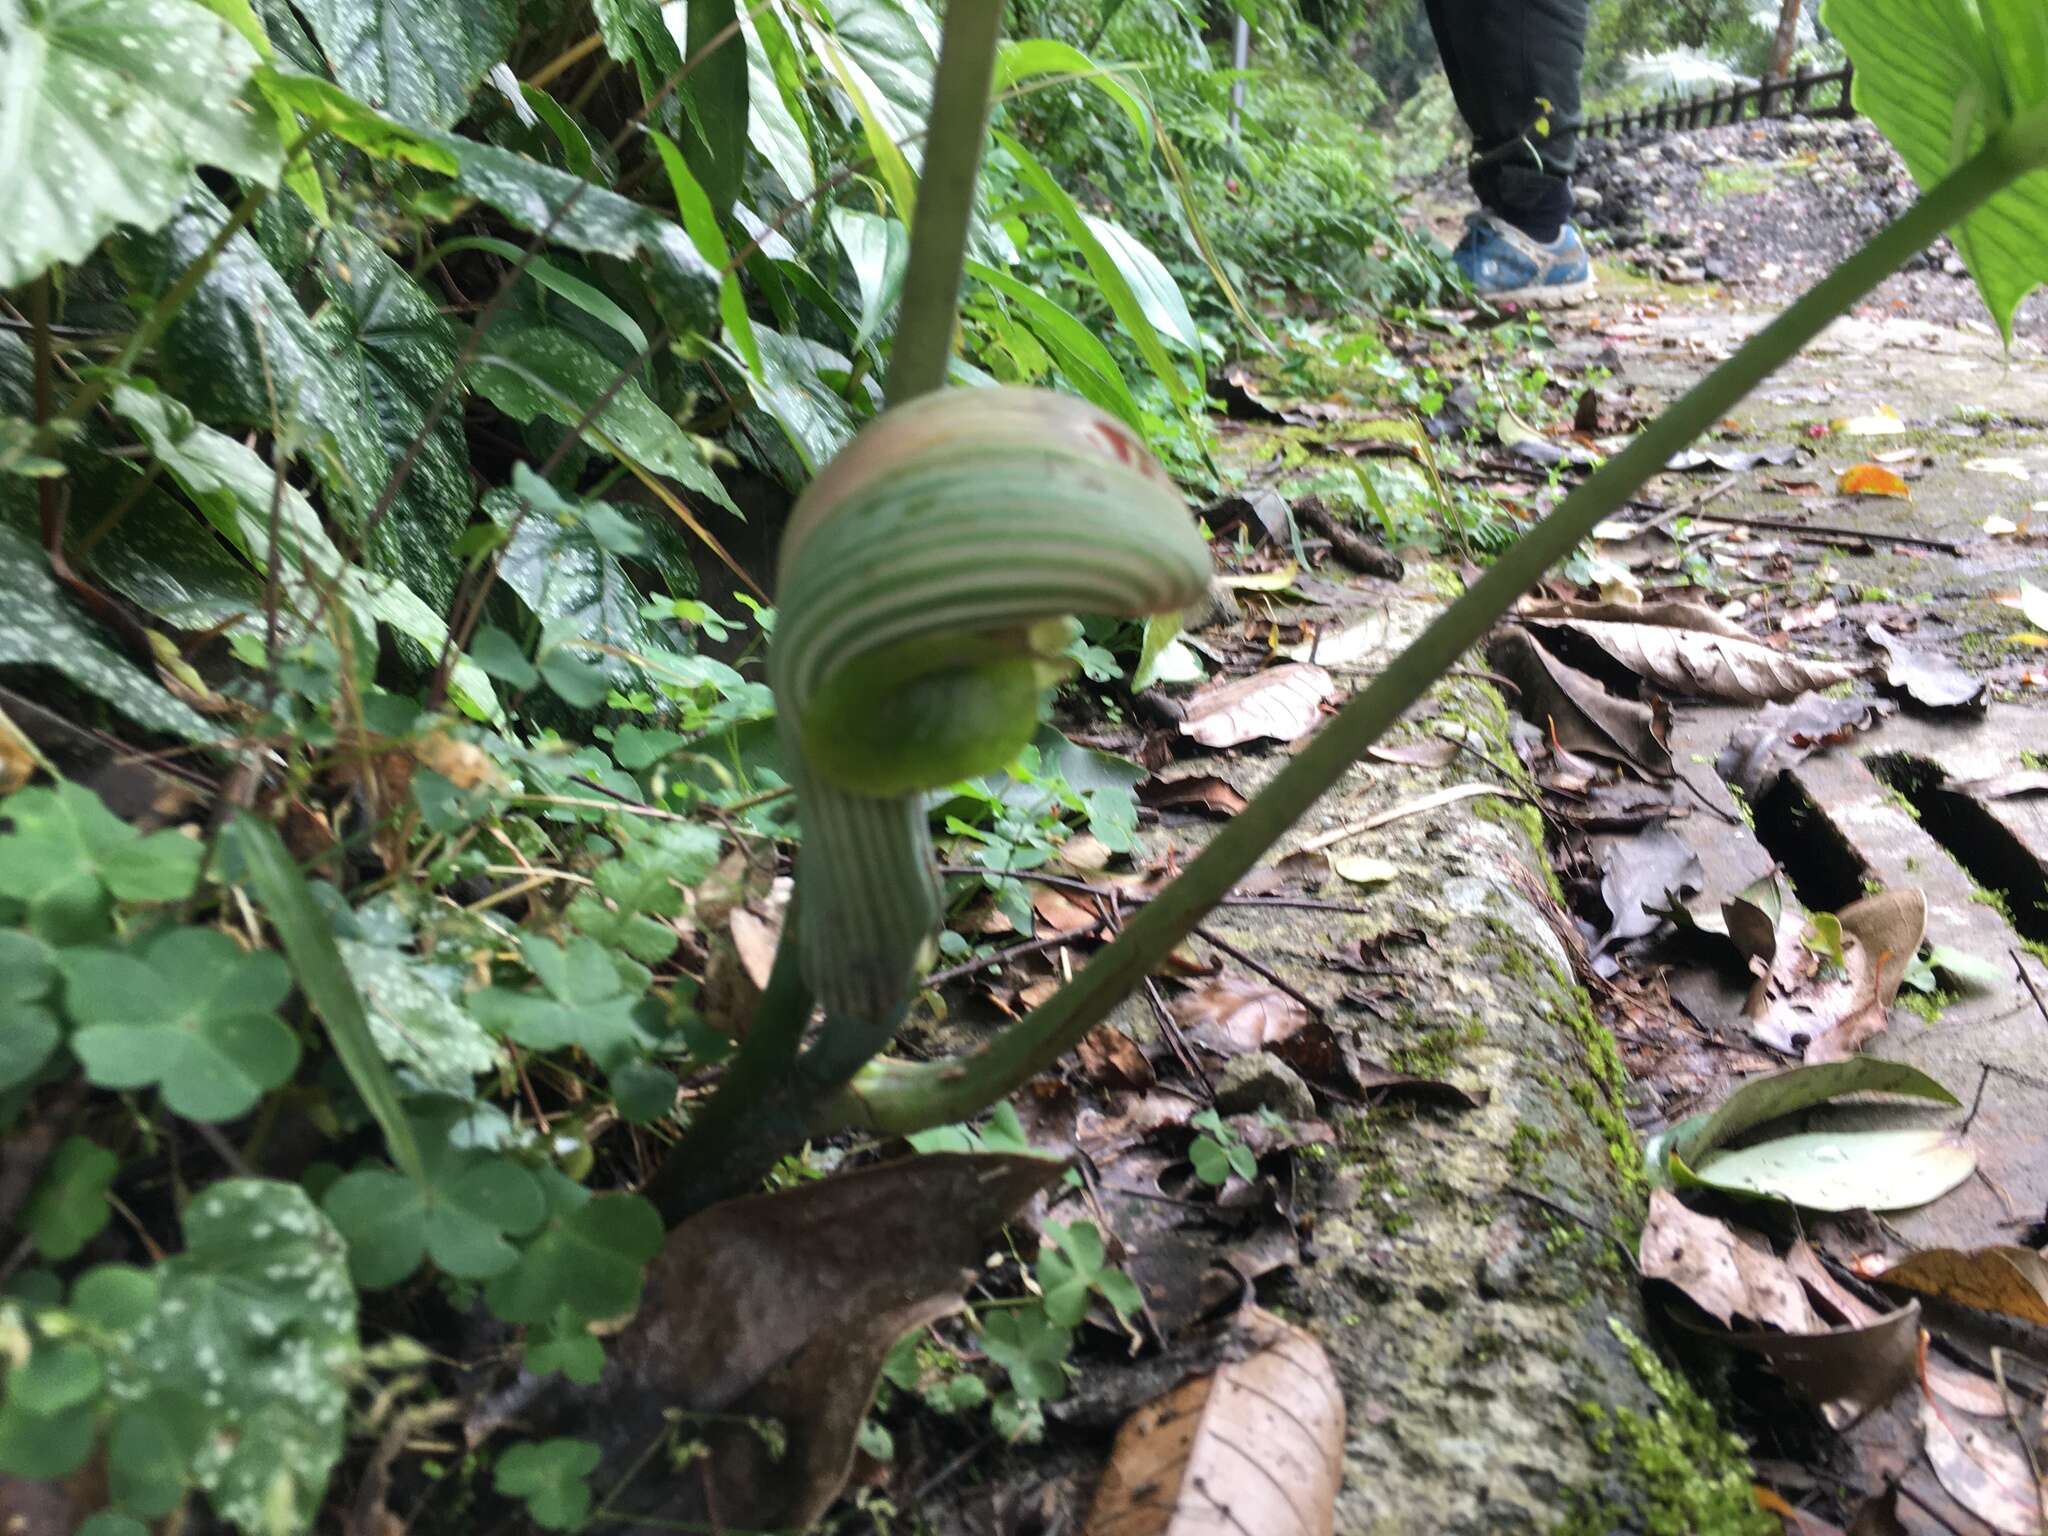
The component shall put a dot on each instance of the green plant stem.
(898, 1097)
(945, 198)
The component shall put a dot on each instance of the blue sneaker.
(1504, 265)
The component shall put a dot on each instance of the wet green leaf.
(111, 106)
(326, 106)
(29, 1031)
(1841, 1170)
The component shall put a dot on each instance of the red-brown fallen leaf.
(1061, 913)
(1282, 703)
(2010, 1280)
(1235, 1014)
(1872, 480)
(1204, 792)
(1112, 1058)
(1260, 1441)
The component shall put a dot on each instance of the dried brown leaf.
(2009, 1280)
(1825, 1016)
(1257, 1445)
(1281, 703)
(784, 1306)
(1781, 736)
(1702, 664)
(1204, 792)
(1234, 1014)
(1984, 1472)
(1577, 712)
(1728, 1274)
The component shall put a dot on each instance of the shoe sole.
(1545, 296)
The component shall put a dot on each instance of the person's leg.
(1504, 58)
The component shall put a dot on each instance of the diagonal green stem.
(899, 1097)
(945, 198)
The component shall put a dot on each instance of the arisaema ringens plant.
(927, 572)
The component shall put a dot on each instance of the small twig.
(1598, 1229)
(1182, 1051)
(1690, 503)
(1417, 807)
(1014, 952)
(1835, 531)
(1261, 968)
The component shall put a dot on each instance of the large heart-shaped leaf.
(242, 351)
(1941, 77)
(404, 354)
(419, 60)
(232, 486)
(107, 107)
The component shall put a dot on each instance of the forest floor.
(1464, 992)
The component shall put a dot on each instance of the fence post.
(1767, 106)
(1846, 107)
(1802, 87)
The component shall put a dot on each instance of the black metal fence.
(1784, 96)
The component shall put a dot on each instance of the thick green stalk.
(945, 198)
(899, 1097)
(760, 1109)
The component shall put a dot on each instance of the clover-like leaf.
(68, 855)
(588, 1262)
(1941, 78)
(1073, 1267)
(567, 1347)
(29, 1031)
(585, 1004)
(70, 1204)
(1031, 1349)
(461, 1216)
(188, 1012)
(110, 107)
(552, 1476)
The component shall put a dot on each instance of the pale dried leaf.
(1257, 1446)
(1984, 1472)
(1281, 703)
(1705, 665)
(1234, 1014)
(1727, 1276)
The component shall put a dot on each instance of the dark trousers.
(1503, 58)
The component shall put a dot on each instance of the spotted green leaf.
(416, 1015)
(107, 110)
(40, 628)
(418, 60)
(252, 1338)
